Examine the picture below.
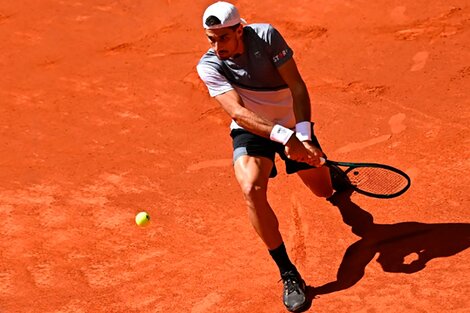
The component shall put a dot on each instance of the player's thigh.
(252, 172)
(318, 180)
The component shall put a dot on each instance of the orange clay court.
(103, 115)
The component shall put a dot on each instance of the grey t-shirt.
(254, 74)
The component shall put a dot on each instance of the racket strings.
(377, 180)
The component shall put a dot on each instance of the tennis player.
(250, 71)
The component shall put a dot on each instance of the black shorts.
(246, 143)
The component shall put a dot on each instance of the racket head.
(376, 180)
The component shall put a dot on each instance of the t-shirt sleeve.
(280, 50)
(216, 83)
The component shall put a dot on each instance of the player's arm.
(290, 73)
(221, 89)
(252, 122)
(282, 57)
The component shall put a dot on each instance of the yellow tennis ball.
(142, 218)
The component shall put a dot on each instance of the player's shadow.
(402, 247)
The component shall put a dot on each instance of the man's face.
(226, 41)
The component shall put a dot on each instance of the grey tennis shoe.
(294, 291)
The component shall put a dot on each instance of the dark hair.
(213, 20)
(234, 27)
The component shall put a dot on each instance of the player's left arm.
(290, 73)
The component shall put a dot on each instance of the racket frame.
(354, 165)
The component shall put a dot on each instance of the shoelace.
(291, 280)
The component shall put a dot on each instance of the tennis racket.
(373, 179)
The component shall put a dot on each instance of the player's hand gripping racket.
(374, 180)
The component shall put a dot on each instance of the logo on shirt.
(280, 55)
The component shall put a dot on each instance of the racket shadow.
(402, 247)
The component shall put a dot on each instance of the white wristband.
(280, 134)
(303, 131)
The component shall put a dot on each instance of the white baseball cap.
(226, 12)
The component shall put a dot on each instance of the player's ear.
(240, 30)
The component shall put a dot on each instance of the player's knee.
(253, 192)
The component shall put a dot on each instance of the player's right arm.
(221, 89)
(252, 122)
